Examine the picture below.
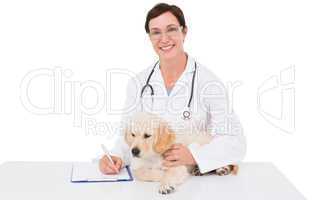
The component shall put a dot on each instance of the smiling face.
(167, 36)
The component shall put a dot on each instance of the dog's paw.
(195, 171)
(223, 171)
(166, 188)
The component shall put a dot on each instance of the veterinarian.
(186, 94)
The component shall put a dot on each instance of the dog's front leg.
(172, 177)
(146, 174)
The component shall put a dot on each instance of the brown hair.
(161, 8)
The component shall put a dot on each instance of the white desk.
(51, 180)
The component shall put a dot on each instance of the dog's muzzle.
(135, 151)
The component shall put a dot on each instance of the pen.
(108, 156)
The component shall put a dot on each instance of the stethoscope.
(186, 113)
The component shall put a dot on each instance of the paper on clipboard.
(89, 172)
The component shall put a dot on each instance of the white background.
(247, 41)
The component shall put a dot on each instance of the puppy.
(148, 137)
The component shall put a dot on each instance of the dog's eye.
(133, 135)
(146, 135)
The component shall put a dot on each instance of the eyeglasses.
(172, 31)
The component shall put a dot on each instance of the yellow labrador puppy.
(148, 137)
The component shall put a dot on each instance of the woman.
(186, 94)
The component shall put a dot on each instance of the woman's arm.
(224, 149)
(228, 145)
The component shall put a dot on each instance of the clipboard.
(86, 172)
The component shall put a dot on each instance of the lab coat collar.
(190, 66)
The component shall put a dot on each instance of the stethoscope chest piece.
(186, 115)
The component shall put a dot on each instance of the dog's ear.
(165, 137)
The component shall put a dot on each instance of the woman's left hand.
(177, 155)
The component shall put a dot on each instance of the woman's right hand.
(106, 167)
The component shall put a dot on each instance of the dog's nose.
(135, 151)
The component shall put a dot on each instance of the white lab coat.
(210, 111)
